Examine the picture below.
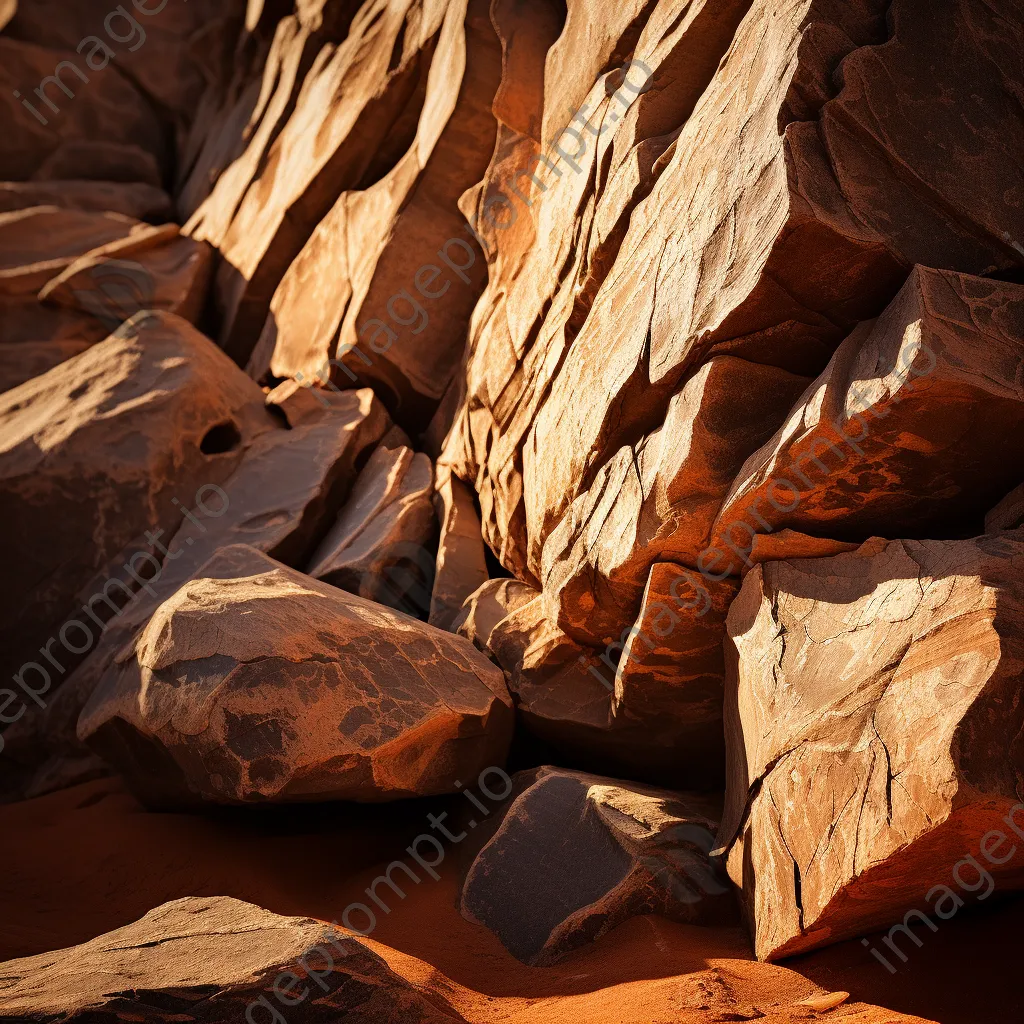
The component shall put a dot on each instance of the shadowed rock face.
(209, 959)
(574, 855)
(93, 454)
(268, 685)
(873, 720)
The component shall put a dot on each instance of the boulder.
(911, 430)
(572, 856)
(394, 313)
(72, 102)
(135, 200)
(461, 562)
(272, 686)
(108, 446)
(154, 268)
(210, 959)
(380, 546)
(874, 713)
(27, 359)
(487, 606)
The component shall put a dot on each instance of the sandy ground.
(83, 861)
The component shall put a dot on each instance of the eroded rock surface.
(209, 959)
(874, 715)
(574, 855)
(270, 685)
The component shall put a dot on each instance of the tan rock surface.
(93, 454)
(574, 855)
(381, 545)
(873, 722)
(487, 606)
(274, 686)
(210, 959)
(394, 314)
(912, 429)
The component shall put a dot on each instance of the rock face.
(268, 685)
(573, 856)
(137, 200)
(211, 959)
(874, 715)
(911, 430)
(93, 454)
(380, 545)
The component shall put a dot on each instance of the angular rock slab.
(574, 855)
(913, 429)
(272, 686)
(209, 959)
(95, 453)
(874, 714)
(487, 606)
(380, 547)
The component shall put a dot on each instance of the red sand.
(83, 861)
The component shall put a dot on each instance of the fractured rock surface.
(873, 720)
(267, 684)
(210, 959)
(574, 855)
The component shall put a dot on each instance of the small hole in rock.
(224, 437)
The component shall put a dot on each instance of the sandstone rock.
(873, 722)
(912, 429)
(274, 686)
(657, 502)
(162, 47)
(76, 104)
(1008, 514)
(487, 606)
(575, 855)
(154, 268)
(755, 210)
(461, 563)
(24, 320)
(96, 452)
(38, 243)
(135, 200)
(350, 124)
(210, 959)
(101, 161)
(7, 9)
(788, 544)
(394, 313)
(25, 360)
(381, 546)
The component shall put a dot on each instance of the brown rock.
(134, 199)
(575, 855)
(154, 268)
(102, 161)
(211, 959)
(25, 320)
(162, 47)
(381, 546)
(274, 686)
(76, 105)
(25, 360)
(355, 117)
(669, 682)
(487, 606)
(394, 313)
(873, 720)
(788, 544)
(461, 563)
(912, 429)
(657, 502)
(94, 453)
(1008, 514)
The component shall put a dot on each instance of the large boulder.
(210, 959)
(95, 454)
(380, 546)
(571, 856)
(261, 684)
(874, 714)
(912, 429)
